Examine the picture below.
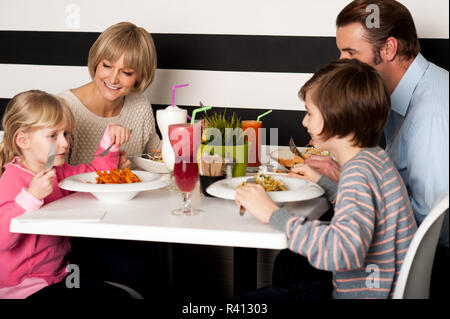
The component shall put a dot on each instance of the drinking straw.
(264, 114)
(173, 92)
(194, 113)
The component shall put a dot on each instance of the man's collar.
(402, 94)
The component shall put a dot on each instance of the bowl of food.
(308, 151)
(150, 162)
(115, 185)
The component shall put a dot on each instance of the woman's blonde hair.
(28, 111)
(137, 45)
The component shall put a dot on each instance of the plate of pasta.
(115, 185)
(279, 187)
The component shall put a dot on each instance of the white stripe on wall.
(252, 17)
(217, 88)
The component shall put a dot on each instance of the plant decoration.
(221, 129)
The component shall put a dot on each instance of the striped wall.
(246, 56)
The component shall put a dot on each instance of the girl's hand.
(255, 199)
(305, 172)
(124, 162)
(118, 134)
(42, 184)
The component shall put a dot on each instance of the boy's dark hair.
(352, 99)
(395, 20)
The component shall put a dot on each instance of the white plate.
(149, 165)
(285, 153)
(298, 189)
(114, 192)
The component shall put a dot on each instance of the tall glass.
(252, 135)
(182, 139)
(164, 118)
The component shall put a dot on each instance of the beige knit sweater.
(136, 115)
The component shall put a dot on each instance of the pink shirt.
(28, 263)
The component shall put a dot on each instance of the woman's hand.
(325, 165)
(42, 184)
(124, 162)
(305, 172)
(255, 199)
(118, 134)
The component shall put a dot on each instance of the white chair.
(133, 293)
(414, 279)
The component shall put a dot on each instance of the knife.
(278, 166)
(50, 157)
(294, 149)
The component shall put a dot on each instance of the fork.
(294, 149)
(242, 208)
(105, 152)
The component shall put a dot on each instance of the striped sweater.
(366, 241)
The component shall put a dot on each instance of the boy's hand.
(305, 172)
(118, 134)
(124, 162)
(255, 199)
(42, 184)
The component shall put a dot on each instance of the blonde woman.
(122, 65)
(35, 265)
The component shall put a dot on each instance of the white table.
(147, 217)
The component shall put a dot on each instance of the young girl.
(366, 241)
(33, 121)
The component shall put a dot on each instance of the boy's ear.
(23, 140)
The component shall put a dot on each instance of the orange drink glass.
(252, 136)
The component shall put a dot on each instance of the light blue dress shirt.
(417, 135)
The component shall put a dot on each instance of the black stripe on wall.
(287, 122)
(196, 51)
(3, 103)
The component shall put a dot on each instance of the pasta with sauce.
(115, 176)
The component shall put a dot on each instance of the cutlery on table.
(105, 152)
(50, 157)
(278, 166)
(294, 149)
(242, 208)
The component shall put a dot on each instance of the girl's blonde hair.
(28, 111)
(137, 45)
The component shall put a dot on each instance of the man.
(417, 131)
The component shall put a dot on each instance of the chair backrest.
(414, 279)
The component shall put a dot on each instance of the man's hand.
(324, 165)
(255, 199)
